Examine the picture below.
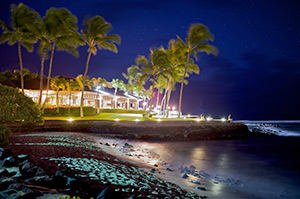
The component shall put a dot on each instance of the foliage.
(74, 111)
(4, 133)
(16, 75)
(122, 111)
(15, 106)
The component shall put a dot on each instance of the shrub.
(122, 111)
(4, 133)
(74, 111)
(15, 106)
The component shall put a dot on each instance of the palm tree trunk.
(21, 66)
(169, 95)
(181, 89)
(152, 96)
(57, 103)
(115, 93)
(83, 82)
(157, 98)
(69, 102)
(49, 73)
(168, 101)
(42, 77)
(163, 101)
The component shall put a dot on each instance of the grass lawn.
(119, 116)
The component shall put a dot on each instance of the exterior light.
(137, 120)
(198, 120)
(223, 119)
(158, 106)
(117, 119)
(184, 117)
(209, 119)
(144, 103)
(158, 120)
(173, 108)
(169, 107)
(189, 115)
(70, 119)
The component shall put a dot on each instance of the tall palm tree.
(22, 31)
(152, 68)
(60, 28)
(95, 35)
(71, 85)
(196, 41)
(58, 83)
(117, 83)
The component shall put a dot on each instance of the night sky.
(255, 76)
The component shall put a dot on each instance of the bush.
(74, 111)
(4, 133)
(121, 111)
(15, 106)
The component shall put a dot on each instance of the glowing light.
(158, 120)
(223, 119)
(184, 117)
(198, 119)
(70, 119)
(209, 119)
(137, 120)
(144, 103)
(173, 108)
(169, 107)
(189, 115)
(117, 119)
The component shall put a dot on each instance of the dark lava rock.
(168, 169)
(152, 170)
(45, 180)
(126, 145)
(8, 193)
(40, 172)
(201, 188)
(185, 176)
(3, 172)
(10, 162)
(106, 144)
(22, 158)
(28, 169)
(195, 182)
(108, 193)
(4, 183)
(5, 153)
(156, 165)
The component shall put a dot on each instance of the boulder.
(201, 188)
(10, 162)
(22, 158)
(28, 170)
(5, 153)
(4, 172)
(185, 176)
(107, 193)
(6, 182)
(45, 181)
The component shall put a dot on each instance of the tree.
(22, 31)
(196, 41)
(58, 83)
(116, 83)
(95, 35)
(152, 68)
(71, 85)
(60, 28)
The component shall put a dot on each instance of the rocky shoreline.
(148, 130)
(36, 165)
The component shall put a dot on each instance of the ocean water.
(259, 166)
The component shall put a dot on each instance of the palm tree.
(58, 83)
(95, 35)
(22, 31)
(60, 28)
(116, 83)
(71, 85)
(152, 69)
(196, 41)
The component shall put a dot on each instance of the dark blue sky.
(255, 76)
